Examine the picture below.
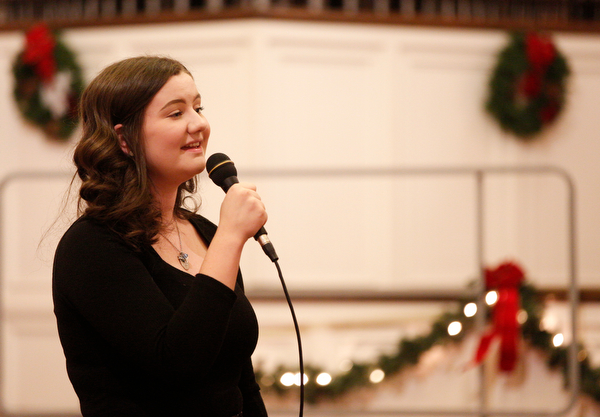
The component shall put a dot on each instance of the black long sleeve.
(141, 335)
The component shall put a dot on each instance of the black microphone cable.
(297, 328)
(222, 172)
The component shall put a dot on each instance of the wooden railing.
(567, 15)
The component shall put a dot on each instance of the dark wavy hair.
(115, 188)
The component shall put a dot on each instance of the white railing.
(481, 205)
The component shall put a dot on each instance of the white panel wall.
(306, 96)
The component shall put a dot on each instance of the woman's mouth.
(193, 145)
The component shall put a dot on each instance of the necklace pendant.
(183, 260)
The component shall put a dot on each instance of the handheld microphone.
(222, 172)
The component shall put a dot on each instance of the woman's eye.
(200, 109)
(176, 114)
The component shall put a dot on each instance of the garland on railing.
(527, 86)
(409, 351)
(48, 83)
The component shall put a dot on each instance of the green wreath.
(527, 86)
(48, 83)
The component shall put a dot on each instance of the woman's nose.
(198, 123)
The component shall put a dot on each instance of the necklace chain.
(182, 256)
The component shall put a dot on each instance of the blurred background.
(389, 186)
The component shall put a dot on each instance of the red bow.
(39, 51)
(505, 279)
(540, 52)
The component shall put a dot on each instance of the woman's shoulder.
(87, 232)
(84, 226)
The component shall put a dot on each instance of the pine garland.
(528, 84)
(410, 350)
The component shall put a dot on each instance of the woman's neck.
(166, 203)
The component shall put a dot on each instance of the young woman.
(148, 297)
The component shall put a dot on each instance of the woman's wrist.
(223, 258)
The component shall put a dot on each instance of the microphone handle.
(261, 236)
(228, 182)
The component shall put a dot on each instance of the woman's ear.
(122, 142)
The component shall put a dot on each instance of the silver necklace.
(182, 256)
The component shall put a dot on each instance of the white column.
(181, 6)
(448, 8)
(3, 13)
(128, 7)
(90, 9)
(492, 10)
(315, 5)
(61, 9)
(407, 8)
(478, 8)
(28, 10)
(75, 9)
(350, 6)
(428, 7)
(463, 8)
(47, 10)
(261, 5)
(152, 7)
(214, 5)
(381, 7)
(108, 8)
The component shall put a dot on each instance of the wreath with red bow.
(527, 86)
(48, 83)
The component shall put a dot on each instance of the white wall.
(284, 96)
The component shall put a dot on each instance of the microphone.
(222, 172)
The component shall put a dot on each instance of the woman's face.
(175, 132)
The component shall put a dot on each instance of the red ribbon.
(540, 52)
(505, 279)
(39, 52)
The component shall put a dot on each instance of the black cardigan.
(142, 338)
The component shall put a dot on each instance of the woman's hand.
(242, 215)
(242, 212)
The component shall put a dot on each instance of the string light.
(470, 309)
(454, 328)
(491, 298)
(522, 316)
(377, 376)
(558, 339)
(287, 379)
(403, 358)
(297, 379)
(323, 379)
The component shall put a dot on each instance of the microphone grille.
(220, 167)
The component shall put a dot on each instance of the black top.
(143, 338)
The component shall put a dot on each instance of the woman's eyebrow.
(178, 100)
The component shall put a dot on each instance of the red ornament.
(506, 280)
(39, 52)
